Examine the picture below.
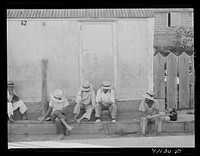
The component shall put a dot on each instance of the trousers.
(58, 113)
(144, 121)
(11, 107)
(87, 108)
(112, 109)
(60, 127)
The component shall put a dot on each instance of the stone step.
(124, 108)
(105, 127)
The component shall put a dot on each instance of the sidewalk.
(161, 141)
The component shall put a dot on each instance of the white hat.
(149, 95)
(106, 85)
(58, 96)
(86, 86)
(10, 84)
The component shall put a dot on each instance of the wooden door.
(97, 53)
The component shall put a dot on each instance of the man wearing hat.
(85, 100)
(57, 112)
(14, 103)
(149, 112)
(105, 100)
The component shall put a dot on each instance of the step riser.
(35, 109)
(98, 128)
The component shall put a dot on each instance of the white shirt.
(105, 97)
(58, 105)
(144, 107)
(86, 97)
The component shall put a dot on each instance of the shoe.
(11, 120)
(98, 120)
(114, 121)
(60, 137)
(70, 128)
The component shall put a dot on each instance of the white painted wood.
(115, 58)
(97, 53)
(150, 51)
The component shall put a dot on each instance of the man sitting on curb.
(57, 111)
(13, 103)
(105, 101)
(85, 100)
(149, 112)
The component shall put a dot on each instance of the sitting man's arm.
(78, 97)
(156, 112)
(98, 97)
(47, 113)
(142, 110)
(93, 99)
(66, 104)
(143, 114)
(112, 97)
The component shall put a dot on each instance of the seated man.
(85, 100)
(13, 103)
(149, 112)
(105, 100)
(57, 112)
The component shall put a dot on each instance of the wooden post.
(184, 81)
(44, 86)
(171, 81)
(159, 83)
(192, 82)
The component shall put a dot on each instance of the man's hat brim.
(10, 84)
(57, 100)
(106, 87)
(148, 97)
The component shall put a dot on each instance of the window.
(173, 19)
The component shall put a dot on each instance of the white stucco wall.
(58, 41)
(28, 45)
(135, 57)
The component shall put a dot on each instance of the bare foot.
(74, 120)
(78, 121)
(70, 128)
(60, 137)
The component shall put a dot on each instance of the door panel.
(97, 53)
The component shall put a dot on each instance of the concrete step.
(126, 110)
(90, 127)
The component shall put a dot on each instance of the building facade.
(77, 45)
(167, 21)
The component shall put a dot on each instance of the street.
(162, 141)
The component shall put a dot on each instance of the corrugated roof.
(79, 13)
(172, 10)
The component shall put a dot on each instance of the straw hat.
(58, 96)
(149, 95)
(106, 85)
(86, 86)
(10, 84)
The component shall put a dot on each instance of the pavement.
(181, 141)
